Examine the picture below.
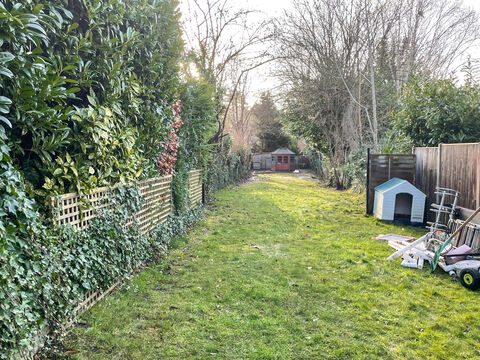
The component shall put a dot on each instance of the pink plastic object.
(462, 250)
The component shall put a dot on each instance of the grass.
(317, 287)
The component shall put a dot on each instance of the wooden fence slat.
(478, 175)
(426, 171)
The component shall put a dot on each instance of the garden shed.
(283, 159)
(397, 199)
(262, 161)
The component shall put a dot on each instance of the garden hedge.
(90, 96)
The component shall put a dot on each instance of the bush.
(227, 168)
(352, 173)
(199, 124)
(438, 111)
(87, 89)
(316, 163)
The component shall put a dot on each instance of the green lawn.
(317, 287)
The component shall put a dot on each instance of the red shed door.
(282, 163)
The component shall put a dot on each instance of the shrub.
(227, 168)
(439, 111)
(87, 89)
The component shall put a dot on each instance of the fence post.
(478, 175)
(439, 171)
(415, 172)
(368, 182)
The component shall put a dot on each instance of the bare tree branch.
(226, 41)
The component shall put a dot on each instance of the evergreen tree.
(270, 133)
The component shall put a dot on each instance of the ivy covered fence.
(91, 95)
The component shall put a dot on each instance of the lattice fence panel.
(78, 211)
(195, 187)
(71, 209)
(157, 194)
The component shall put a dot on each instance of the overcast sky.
(261, 79)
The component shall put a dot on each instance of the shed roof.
(283, 151)
(393, 183)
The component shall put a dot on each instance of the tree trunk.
(371, 62)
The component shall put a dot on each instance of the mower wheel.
(470, 278)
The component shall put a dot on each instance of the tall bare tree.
(223, 39)
(240, 122)
(421, 35)
(328, 50)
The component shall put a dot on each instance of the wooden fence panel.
(71, 209)
(195, 188)
(455, 166)
(383, 167)
(157, 193)
(78, 211)
(459, 170)
(426, 173)
(157, 205)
